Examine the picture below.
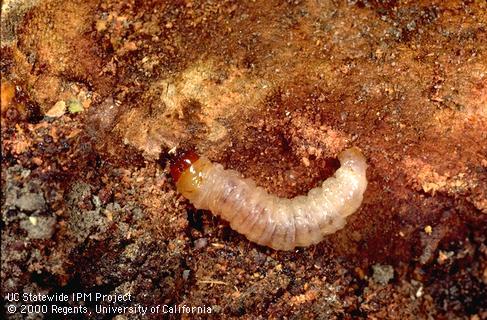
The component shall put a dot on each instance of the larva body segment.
(268, 220)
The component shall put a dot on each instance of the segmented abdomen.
(268, 220)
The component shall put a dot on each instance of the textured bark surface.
(95, 93)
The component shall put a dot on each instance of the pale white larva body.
(268, 220)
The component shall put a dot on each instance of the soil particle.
(30, 202)
(200, 243)
(26, 197)
(382, 273)
(39, 227)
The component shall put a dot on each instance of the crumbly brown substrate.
(274, 90)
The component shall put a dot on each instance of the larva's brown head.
(187, 171)
(182, 162)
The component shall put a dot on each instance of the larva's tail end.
(182, 161)
(353, 157)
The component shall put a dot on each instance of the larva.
(268, 220)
